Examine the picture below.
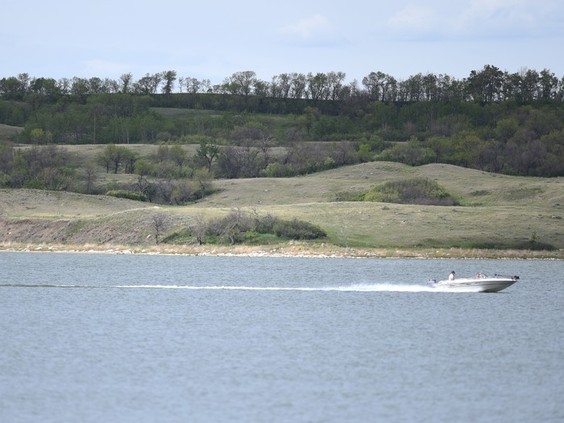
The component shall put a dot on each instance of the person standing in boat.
(451, 276)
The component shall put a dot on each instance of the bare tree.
(199, 229)
(90, 176)
(159, 225)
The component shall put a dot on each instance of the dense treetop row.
(491, 120)
(488, 84)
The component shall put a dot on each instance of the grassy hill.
(494, 211)
(7, 132)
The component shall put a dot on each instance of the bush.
(297, 229)
(413, 191)
(130, 195)
(240, 227)
(509, 245)
(278, 170)
(265, 224)
(349, 196)
(409, 153)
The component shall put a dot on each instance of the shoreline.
(290, 249)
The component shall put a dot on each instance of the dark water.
(116, 338)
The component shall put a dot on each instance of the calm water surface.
(133, 338)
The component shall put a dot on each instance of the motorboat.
(478, 283)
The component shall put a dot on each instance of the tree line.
(498, 137)
(499, 132)
(488, 84)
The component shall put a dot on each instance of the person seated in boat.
(451, 276)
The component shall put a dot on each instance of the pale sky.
(213, 39)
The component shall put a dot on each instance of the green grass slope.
(495, 211)
(7, 132)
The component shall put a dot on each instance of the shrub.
(412, 191)
(130, 195)
(279, 170)
(409, 153)
(297, 229)
(265, 224)
(349, 196)
(231, 228)
(240, 227)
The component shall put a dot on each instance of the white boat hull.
(478, 284)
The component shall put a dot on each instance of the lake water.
(140, 338)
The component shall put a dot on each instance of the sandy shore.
(291, 249)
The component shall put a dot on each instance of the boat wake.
(382, 287)
(341, 288)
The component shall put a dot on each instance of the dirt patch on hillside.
(135, 228)
(33, 230)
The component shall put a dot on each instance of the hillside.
(7, 132)
(495, 211)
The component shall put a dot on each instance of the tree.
(317, 86)
(41, 167)
(199, 229)
(430, 91)
(506, 128)
(299, 84)
(125, 80)
(47, 87)
(281, 85)
(486, 85)
(148, 84)
(178, 155)
(310, 115)
(89, 176)
(80, 88)
(208, 152)
(129, 158)
(96, 86)
(240, 162)
(241, 83)
(39, 136)
(529, 85)
(548, 85)
(159, 225)
(104, 158)
(511, 89)
(96, 110)
(13, 88)
(169, 78)
(194, 85)
(335, 81)
(468, 150)
(379, 84)
(113, 157)
(6, 162)
(411, 89)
